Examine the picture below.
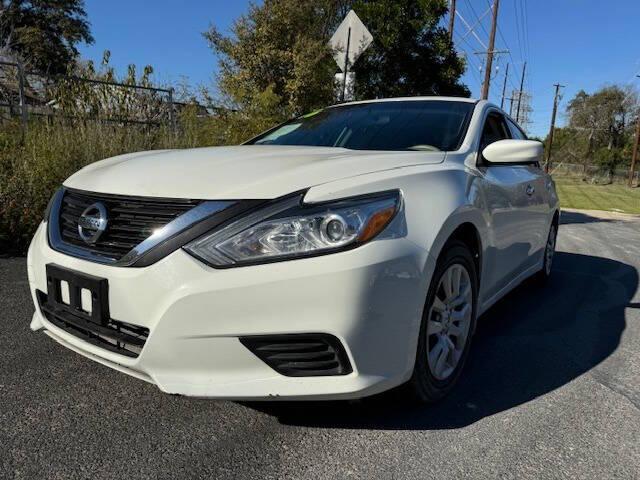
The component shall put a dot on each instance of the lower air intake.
(300, 355)
(119, 337)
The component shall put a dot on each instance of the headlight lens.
(287, 230)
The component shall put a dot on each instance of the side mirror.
(513, 151)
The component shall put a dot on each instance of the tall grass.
(77, 133)
(33, 168)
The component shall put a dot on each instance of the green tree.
(278, 53)
(279, 47)
(607, 113)
(44, 33)
(411, 53)
(606, 120)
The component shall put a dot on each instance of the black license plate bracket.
(77, 281)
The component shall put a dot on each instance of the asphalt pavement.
(552, 390)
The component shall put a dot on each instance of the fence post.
(172, 113)
(23, 98)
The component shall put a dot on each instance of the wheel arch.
(468, 234)
(468, 228)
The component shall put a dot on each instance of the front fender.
(437, 200)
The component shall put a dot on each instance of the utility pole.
(636, 145)
(492, 42)
(504, 86)
(452, 18)
(524, 69)
(547, 165)
(634, 159)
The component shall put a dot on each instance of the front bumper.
(370, 298)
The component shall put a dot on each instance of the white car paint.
(513, 151)
(371, 298)
(245, 171)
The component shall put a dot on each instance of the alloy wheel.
(449, 321)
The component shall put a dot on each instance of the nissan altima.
(337, 255)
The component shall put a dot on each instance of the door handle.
(530, 190)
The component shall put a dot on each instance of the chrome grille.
(130, 220)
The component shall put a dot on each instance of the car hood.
(246, 171)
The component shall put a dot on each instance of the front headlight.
(289, 229)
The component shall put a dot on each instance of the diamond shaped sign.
(351, 32)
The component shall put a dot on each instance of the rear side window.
(516, 132)
(495, 128)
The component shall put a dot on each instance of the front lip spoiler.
(175, 234)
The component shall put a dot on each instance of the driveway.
(552, 390)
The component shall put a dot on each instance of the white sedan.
(337, 255)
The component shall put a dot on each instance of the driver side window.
(495, 128)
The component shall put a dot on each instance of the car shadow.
(535, 340)
(572, 217)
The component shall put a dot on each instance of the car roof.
(404, 99)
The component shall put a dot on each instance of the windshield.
(431, 125)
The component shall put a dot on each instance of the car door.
(538, 202)
(509, 192)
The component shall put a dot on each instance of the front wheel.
(448, 322)
(549, 251)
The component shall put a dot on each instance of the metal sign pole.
(346, 66)
(23, 98)
(362, 38)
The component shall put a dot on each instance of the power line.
(470, 29)
(473, 10)
(517, 18)
(467, 55)
(525, 22)
(475, 68)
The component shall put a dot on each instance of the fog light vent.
(300, 355)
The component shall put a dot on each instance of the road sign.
(352, 38)
(348, 42)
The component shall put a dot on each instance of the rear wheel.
(448, 322)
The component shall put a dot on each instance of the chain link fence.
(26, 95)
(594, 174)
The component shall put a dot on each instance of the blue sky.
(583, 44)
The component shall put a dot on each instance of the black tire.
(543, 275)
(423, 386)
